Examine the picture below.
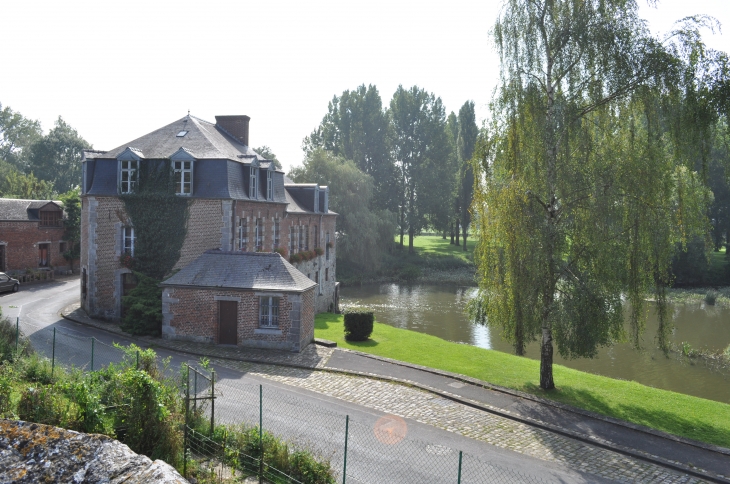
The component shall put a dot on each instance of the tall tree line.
(34, 164)
(416, 156)
(592, 172)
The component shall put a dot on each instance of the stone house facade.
(252, 299)
(238, 202)
(31, 235)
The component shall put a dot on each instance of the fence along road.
(426, 454)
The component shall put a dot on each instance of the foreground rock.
(41, 453)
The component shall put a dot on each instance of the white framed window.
(327, 246)
(253, 188)
(319, 282)
(242, 234)
(316, 236)
(292, 239)
(128, 240)
(259, 234)
(301, 238)
(183, 172)
(268, 312)
(276, 233)
(269, 185)
(129, 175)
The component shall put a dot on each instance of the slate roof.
(23, 210)
(262, 271)
(204, 140)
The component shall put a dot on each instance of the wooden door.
(227, 322)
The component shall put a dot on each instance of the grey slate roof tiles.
(262, 271)
(15, 209)
(203, 139)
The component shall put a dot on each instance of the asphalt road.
(426, 454)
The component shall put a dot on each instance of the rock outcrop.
(35, 453)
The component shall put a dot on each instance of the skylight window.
(182, 133)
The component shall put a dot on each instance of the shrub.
(358, 325)
(711, 297)
(143, 307)
(411, 272)
(6, 390)
(7, 341)
(319, 250)
(45, 405)
(295, 258)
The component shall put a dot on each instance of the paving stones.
(430, 409)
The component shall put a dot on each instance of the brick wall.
(192, 314)
(102, 219)
(203, 230)
(21, 240)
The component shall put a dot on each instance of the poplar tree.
(582, 192)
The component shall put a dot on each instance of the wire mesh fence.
(359, 451)
(256, 430)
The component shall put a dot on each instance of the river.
(439, 310)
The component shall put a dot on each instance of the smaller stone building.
(253, 299)
(31, 235)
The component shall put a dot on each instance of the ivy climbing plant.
(159, 218)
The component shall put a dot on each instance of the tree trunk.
(411, 221)
(402, 225)
(463, 235)
(457, 232)
(452, 233)
(546, 360)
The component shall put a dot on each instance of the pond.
(439, 311)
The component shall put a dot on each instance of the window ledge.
(272, 331)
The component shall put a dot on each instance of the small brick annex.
(193, 301)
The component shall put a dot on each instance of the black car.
(7, 283)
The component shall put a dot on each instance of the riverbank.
(675, 413)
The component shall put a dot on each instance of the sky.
(118, 70)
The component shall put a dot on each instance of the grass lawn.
(692, 417)
(435, 245)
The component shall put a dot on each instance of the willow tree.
(580, 197)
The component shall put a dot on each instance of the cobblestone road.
(427, 408)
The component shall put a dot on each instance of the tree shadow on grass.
(665, 421)
(369, 343)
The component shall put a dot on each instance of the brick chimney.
(236, 126)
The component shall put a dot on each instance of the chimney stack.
(236, 126)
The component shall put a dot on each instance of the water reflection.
(439, 311)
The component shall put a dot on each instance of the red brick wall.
(21, 241)
(203, 230)
(192, 314)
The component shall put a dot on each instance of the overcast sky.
(118, 70)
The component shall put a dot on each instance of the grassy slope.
(679, 414)
(435, 245)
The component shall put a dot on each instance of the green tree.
(56, 156)
(356, 127)
(362, 234)
(583, 192)
(14, 184)
(465, 144)
(421, 151)
(266, 152)
(72, 224)
(17, 134)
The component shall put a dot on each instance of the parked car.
(7, 283)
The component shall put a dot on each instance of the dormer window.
(183, 172)
(269, 185)
(253, 188)
(129, 171)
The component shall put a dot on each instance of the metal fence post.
(53, 353)
(92, 353)
(17, 332)
(459, 478)
(261, 433)
(195, 391)
(212, 402)
(347, 433)
(185, 435)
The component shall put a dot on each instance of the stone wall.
(20, 240)
(32, 453)
(203, 230)
(192, 314)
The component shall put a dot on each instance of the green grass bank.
(675, 413)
